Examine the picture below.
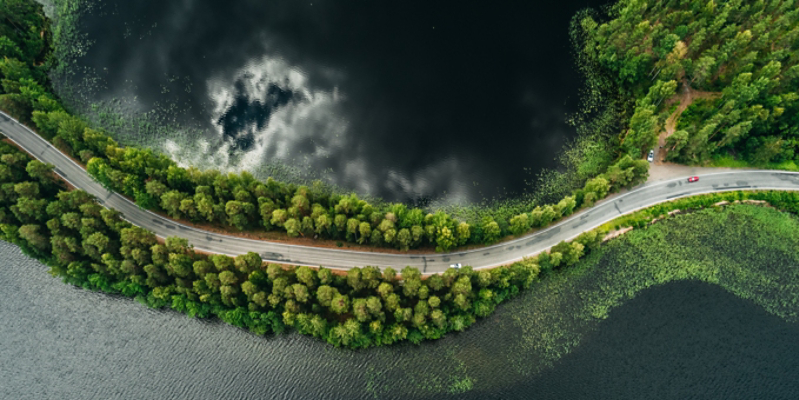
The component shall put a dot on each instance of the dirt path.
(686, 97)
(662, 170)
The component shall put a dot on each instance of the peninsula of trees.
(92, 247)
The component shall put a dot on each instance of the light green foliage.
(228, 278)
(491, 231)
(445, 239)
(248, 263)
(596, 189)
(293, 227)
(364, 232)
(463, 233)
(643, 130)
(566, 206)
(340, 304)
(307, 277)
(519, 224)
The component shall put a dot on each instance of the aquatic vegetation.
(748, 250)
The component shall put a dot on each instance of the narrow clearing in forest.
(685, 98)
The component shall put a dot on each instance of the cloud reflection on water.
(368, 95)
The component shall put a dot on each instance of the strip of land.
(490, 256)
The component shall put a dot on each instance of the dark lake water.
(683, 340)
(677, 341)
(452, 100)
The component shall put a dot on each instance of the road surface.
(504, 253)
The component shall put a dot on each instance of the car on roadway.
(693, 179)
(456, 266)
(651, 156)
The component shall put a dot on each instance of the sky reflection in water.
(403, 100)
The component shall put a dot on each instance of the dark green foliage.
(24, 47)
(743, 52)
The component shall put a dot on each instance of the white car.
(651, 156)
(456, 266)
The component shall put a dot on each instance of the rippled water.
(677, 341)
(405, 100)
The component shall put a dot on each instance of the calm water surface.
(677, 341)
(409, 100)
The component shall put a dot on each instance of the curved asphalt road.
(504, 253)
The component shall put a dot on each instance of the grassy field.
(731, 162)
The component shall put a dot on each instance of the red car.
(693, 179)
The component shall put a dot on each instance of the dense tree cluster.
(239, 201)
(243, 202)
(24, 47)
(92, 247)
(746, 53)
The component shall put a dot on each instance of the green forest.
(736, 62)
